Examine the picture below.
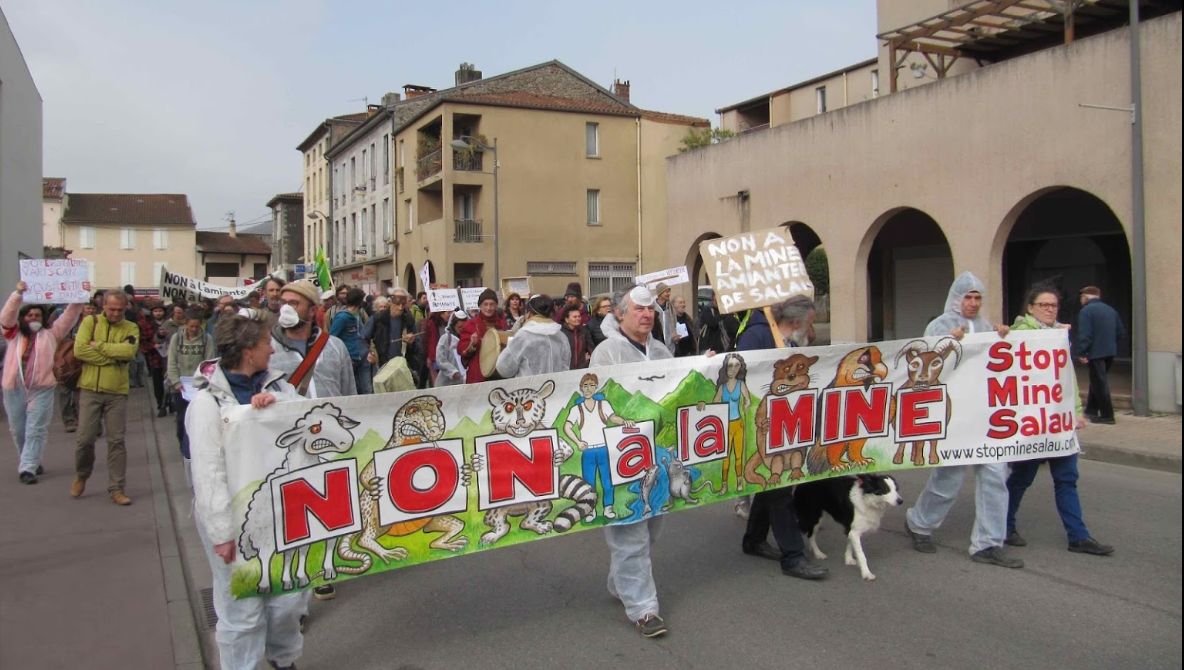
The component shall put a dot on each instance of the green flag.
(321, 277)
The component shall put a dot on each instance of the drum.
(491, 346)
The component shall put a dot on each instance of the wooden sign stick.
(773, 327)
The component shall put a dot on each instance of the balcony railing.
(466, 162)
(429, 165)
(467, 230)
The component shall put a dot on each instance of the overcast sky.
(211, 98)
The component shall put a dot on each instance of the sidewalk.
(1151, 442)
(87, 583)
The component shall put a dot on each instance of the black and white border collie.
(856, 503)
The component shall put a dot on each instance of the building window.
(260, 271)
(465, 209)
(353, 174)
(592, 140)
(593, 207)
(820, 98)
(387, 232)
(386, 159)
(86, 237)
(550, 267)
(127, 239)
(373, 168)
(160, 239)
(157, 269)
(875, 83)
(610, 278)
(127, 273)
(221, 270)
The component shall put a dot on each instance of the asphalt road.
(544, 604)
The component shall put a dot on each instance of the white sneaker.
(591, 517)
(743, 507)
(610, 513)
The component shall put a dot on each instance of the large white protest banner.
(191, 289)
(463, 469)
(755, 269)
(56, 280)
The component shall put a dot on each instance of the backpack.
(66, 367)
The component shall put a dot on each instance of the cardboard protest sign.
(519, 285)
(755, 269)
(192, 289)
(443, 300)
(56, 280)
(670, 277)
(464, 469)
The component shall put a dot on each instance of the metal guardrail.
(466, 230)
(429, 165)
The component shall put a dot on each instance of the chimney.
(233, 228)
(414, 91)
(621, 89)
(466, 73)
(389, 99)
(371, 110)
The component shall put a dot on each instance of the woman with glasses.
(1042, 304)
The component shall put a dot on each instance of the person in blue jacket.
(1099, 329)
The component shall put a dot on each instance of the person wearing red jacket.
(474, 331)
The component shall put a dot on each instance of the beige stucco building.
(129, 237)
(999, 170)
(316, 177)
(564, 181)
(232, 258)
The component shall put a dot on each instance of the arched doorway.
(697, 272)
(409, 281)
(813, 253)
(1070, 238)
(909, 272)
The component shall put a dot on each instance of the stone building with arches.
(999, 170)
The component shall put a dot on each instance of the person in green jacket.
(105, 344)
(1043, 302)
(188, 347)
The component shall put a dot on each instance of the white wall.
(20, 159)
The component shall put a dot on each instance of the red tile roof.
(536, 101)
(675, 119)
(129, 209)
(222, 243)
(53, 187)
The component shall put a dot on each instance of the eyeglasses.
(1046, 305)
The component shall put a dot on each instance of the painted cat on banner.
(392, 480)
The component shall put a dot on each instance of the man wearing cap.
(665, 320)
(538, 348)
(1099, 330)
(630, 574)
(473, 331)
(293, 337)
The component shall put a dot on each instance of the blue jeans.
(1064, 481)
(29, 412)
(595, 460)
(362, 377)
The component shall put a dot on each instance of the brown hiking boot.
(119, 498)
(77, 487)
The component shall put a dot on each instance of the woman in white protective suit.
(539, 346)
(249, 629)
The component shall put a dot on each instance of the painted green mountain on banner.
(693, 388)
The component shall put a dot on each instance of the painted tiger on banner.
(519, 413)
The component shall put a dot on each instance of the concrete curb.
(1137, 459)
(187, 653)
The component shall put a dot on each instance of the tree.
(819, 270)
(702, 137)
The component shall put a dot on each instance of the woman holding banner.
(249, 629)
(1043, 302)
(28, 380)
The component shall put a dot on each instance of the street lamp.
(465, 143)
(318, 214)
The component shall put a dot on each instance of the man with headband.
(630, 575)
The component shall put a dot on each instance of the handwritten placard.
(755, 269)
(469, 297)
(443, 300)
(56, 281)
(670, 277)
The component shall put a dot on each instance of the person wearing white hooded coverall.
(628, 339)
(249, 629)
(538, 347)
(961, 318)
